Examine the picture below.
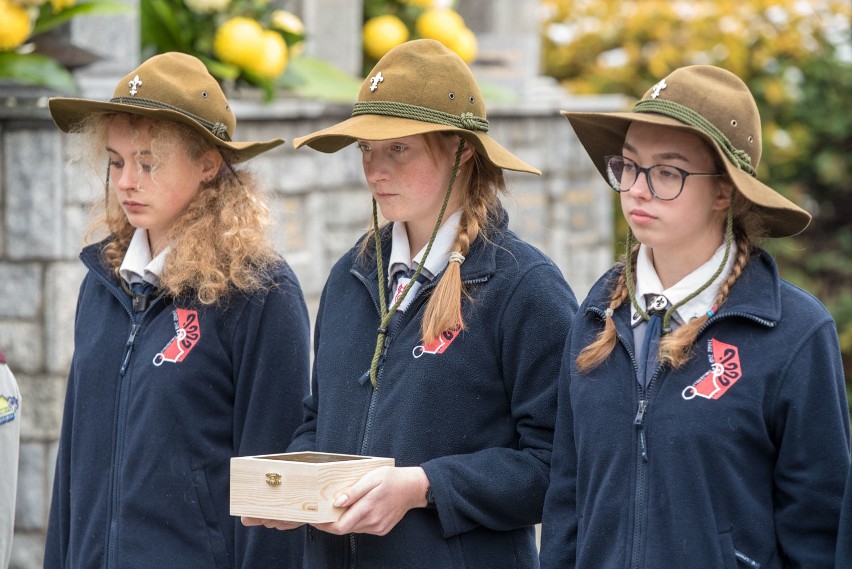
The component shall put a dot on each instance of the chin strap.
(387, 314)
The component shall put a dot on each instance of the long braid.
(443, 312)
(676, 348)
(595, 353)
(479, 200)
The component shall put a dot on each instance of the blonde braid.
(595, 353)
(676, 348)
(443, 312)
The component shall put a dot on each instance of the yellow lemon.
(383, 33)
(16, 26)
(272, 60)
(442, 24)
(239, 41)
(465, 45)
(420, 3)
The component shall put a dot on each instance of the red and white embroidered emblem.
(187, 334)
(725, 371)
(439, 344)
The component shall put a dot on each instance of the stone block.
(20, 290)
(30, 504)
(23, 345)
(33, 216)
(61, 288)
(27, 550)
(42, 401)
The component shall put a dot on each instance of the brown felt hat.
(715, 105)
(418, 87)
(169, 87)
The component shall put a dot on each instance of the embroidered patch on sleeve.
(725, 371)
(8, 408)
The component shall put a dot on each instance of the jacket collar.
(480, 262)
(756, 294)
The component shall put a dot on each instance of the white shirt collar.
(648, 282)
(138, 265)
(439, 255)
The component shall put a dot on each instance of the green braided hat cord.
(738, 157)
(467, 121)
(628, 267)
(386, 314)
(218, 129)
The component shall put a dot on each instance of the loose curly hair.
(218, 243)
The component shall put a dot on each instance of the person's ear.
(467, 152)
(724, 193)
(211, 162)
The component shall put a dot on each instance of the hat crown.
(719, 97)
(181, 83)
(424, 73)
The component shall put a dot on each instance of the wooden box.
(296, 486)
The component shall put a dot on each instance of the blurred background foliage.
(795, 56)
(388, 23)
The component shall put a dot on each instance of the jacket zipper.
(642, 458)
(372, 406)
(112, 525)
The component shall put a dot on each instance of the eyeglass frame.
(639, 170)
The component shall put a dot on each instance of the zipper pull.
(640, 415)
(128, 348)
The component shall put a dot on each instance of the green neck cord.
(386, 314)
(628, 268)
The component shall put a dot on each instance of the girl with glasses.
(702, 418)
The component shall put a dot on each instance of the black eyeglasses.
(664, 181)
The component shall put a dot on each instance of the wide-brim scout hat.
(170, 87)
(418, 87)
(715, 105)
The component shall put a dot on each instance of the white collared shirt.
(138, 265)
(648, 283)
(400, 257)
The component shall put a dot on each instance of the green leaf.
(48, 19)
(314, 78)
(494, 93)
(161, 28)
(36, 69)
(224, 71)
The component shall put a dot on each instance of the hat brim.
(603, 134)
(69, 113)
(375, 127)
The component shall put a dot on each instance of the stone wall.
(319, 203)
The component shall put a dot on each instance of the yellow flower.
(239, 41)
(16, 27)
(272, 59)
(383, 33)
(59, 5)
(442, 24)
(288, 22)
(207, 6)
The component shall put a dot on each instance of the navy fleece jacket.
(736, 460)
(156, 405)
(475, 409)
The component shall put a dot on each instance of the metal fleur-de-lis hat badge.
(375, 80)
(657, 88)
(134, 85)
